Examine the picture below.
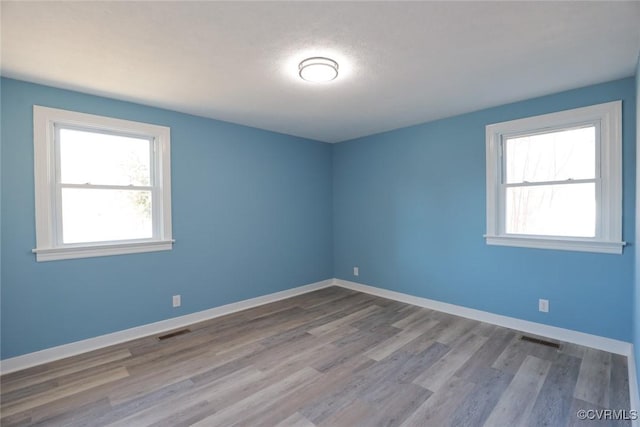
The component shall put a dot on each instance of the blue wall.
(409, 210)
(251, 216)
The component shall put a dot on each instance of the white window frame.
(49, 244)
(607, 119)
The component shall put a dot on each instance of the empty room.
(319, 213)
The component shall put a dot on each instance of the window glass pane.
(552, 210)
(554, 156)
(98, 158)
(97, 215)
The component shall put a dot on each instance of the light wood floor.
(328, 358)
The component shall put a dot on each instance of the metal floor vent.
(539, 341)
(174, 334)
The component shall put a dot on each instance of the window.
(103, 185)
(555, 181)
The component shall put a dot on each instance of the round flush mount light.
(318, 69)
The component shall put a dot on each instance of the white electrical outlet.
(543, 305)
(176, 301)
(356, 271)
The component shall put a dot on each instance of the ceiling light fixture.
(318, 69)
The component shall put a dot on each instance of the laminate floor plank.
(410, 317)
(619, 382)
(323, 297)
(280, 409)
(343, 395)
(71, 404)
(315, 317)
(237, 412)
(457, 329)
(441, 371)
(308, 349)
(88, 416)
(356, 413)
(199, 396)
(552, 407)
(30, 389)
(350, 346)
(475, 408)
(332, 357)
(485, 356)
(418, 362)
(516, 403)
(328, 327)
(187, 369)
(398, 405)
(227, 397)
(295, 420)
(574, 350)
(392, 344)
(485, 329)
(40, 377)
(516, 352)
(35, 400)
(407, 367)
(84, 415)
(595, 370)
(381, 318)
(439, 408)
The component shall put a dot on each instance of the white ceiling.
(401, 63)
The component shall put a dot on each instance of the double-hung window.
(102, 185)
(555, 181)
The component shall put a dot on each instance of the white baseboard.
(634, 395)
(553, 332)
(60, 352)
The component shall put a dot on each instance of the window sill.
(71, 252)
(561, 244)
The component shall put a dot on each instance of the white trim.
(48, 242)
(594, 341)
(607, 118)
(557, 244)
(634, 395)
(70, 252)
(67, 350)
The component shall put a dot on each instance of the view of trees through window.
(105, 182)
(550, 183)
